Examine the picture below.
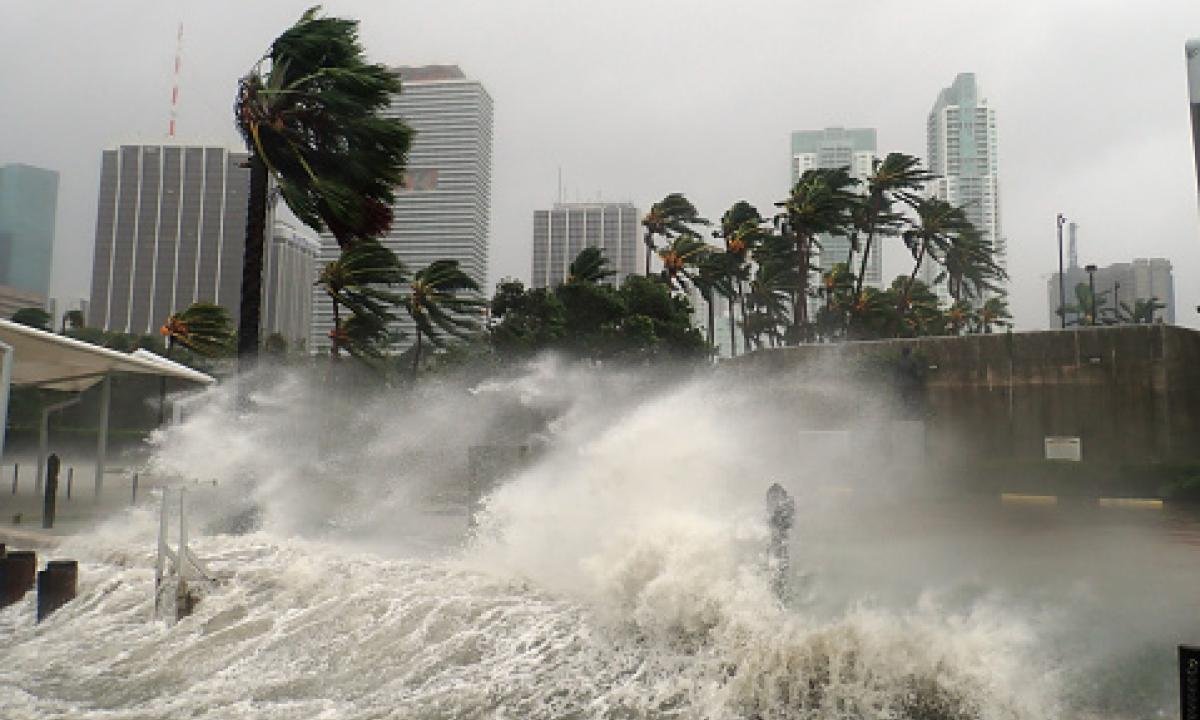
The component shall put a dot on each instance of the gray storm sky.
(636, 99)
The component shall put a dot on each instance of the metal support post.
(102, 432)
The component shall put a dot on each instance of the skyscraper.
(443, 207)
(561, 233)
(28, 202)
(170, 231)
(853, 149)
(961, 134)
(289, 271)
(1192, 53)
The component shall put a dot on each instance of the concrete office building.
(962, 145)
(855, 150)
(1117, 285)
(28, 203)
(1192, 54)
(289, 272)
(170, 231)
(443, 208)
(559, 234)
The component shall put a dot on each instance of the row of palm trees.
(767, 269)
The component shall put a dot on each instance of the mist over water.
(619, 573)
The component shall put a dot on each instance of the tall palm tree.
(741, 229)
(820, 203)
(673, 215)
(362, 279)
(969, 266)
(590, 266)
(898, 177)
(767, 298)
(310, 114)
(680, 259)
(435, 305)
(938, 222)
(1142, 311)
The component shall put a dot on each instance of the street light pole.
(1091, 271)
(1062, 288)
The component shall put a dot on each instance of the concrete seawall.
(1131, 394)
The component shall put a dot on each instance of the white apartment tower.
(289, 273)
(853, 149)
(443, 207)
(561, 233)
(961, 134)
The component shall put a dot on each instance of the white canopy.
(55, 362)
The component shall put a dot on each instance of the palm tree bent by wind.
(310, 114)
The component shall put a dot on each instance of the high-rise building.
(170, 231)
(853, 149)
(561, 233)
(28, 202)
(289, 272)
(1117, 285)
(442, 209)
(961, 134)
(1192, 53)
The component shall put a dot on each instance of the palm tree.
(770, 290)
(590, 266)
(969, 267)
(310, 114)
(680, 257)
(896, 177)
(741, 229)
(361, 280)
(203, 328)
(959, 316)
(993, 312)
(434, 304)
(673, 215)
(820, 203)
(938, 222)
(1143, 310)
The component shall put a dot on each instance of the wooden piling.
(56, 586)
(133, 497)
(70, 480)
(16, 474)
(18, 569)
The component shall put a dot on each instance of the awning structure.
(55, 362)
(36, 358)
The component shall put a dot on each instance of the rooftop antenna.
(560, 185)
(175, 82)
(1073, 248)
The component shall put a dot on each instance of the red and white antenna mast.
(175, 84)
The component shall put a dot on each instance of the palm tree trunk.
(649, 247)
(912, 278)
(862, 271)
(250, 309)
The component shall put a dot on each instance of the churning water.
(618, 574)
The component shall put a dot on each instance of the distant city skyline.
(1058, 154)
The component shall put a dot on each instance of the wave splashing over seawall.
(619, 574)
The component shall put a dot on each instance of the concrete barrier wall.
(1131, 393)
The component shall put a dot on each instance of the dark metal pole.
(1117, 302)
(1091, 271)
(1062, 287)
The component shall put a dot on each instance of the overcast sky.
(636, 99)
